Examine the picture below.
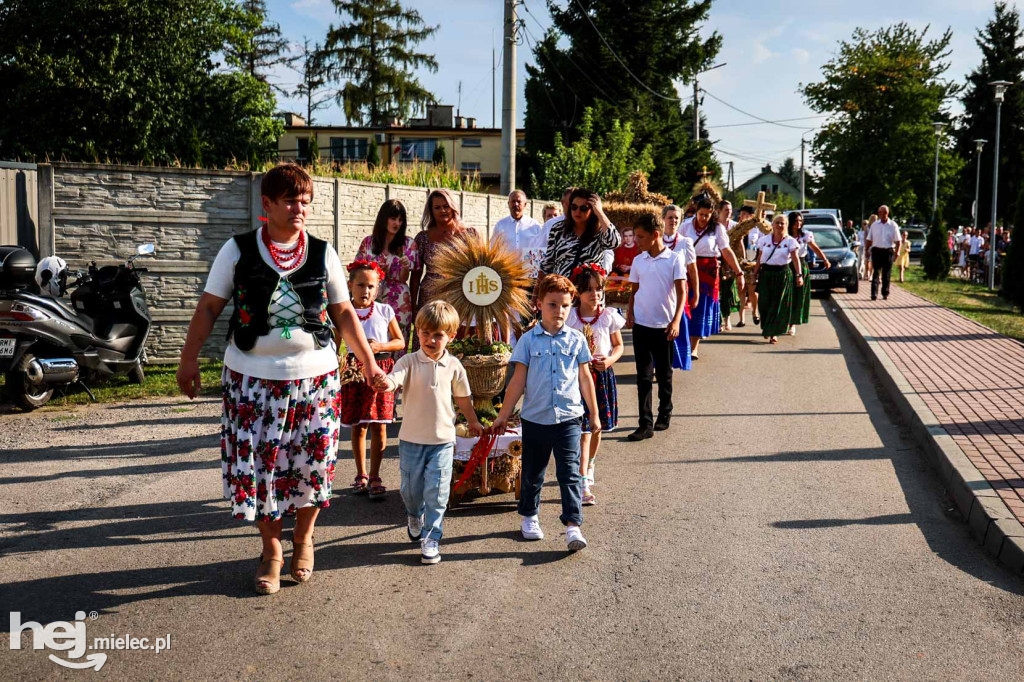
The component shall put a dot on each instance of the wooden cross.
(759, 206)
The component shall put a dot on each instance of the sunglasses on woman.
(581, 208)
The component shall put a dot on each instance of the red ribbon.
(477, 456)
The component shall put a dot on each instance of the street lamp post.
(1000, 87)
(976, 211)
(935, 191)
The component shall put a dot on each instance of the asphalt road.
(784, 528)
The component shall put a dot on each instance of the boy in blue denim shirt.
(552, 367)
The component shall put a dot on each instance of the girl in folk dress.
(710, 240)
(362, 408)
(397, 255)
(602, 327)
(671, 215)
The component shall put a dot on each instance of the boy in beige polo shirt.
(430, 378)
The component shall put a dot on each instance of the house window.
(417, 149)
(348, 148)
(303, 151)
(775, 189)
(472, 142)
(470, 166)
(764, 188)
(520, 141)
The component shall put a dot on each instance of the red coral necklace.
(288, 257)
(369, 314)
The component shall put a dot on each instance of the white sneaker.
(792, 331)
(574, 539)
(414, 527)
(590, 473)
(429, 552)
(531, 528)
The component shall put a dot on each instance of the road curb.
(988, 517)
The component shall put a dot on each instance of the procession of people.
(288, 394)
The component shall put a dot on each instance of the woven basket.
(486, 374)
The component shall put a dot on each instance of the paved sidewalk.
(970, 377)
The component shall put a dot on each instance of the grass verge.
(160, 382)
(973, 301)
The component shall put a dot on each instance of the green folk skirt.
(802, 298)
(729, 297)
(775, 299)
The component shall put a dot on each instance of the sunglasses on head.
(582, 208)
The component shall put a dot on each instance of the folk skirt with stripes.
(707, 316)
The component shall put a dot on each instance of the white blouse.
(683, 246)
(711, 244)
(609, 322)
(776, 255)
(376, 326)
(803, 241)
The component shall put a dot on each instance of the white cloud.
(761, 53)
(801, 55)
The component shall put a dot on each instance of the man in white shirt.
(522, 233)
(883, 240)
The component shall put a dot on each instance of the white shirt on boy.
(654, 303)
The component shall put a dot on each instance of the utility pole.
(803, 174)
(508, 99)
(696, 112)
(494, 79)
(731, 182)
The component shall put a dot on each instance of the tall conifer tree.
(374, 51)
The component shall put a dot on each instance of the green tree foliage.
(314, 149)
(259, 46)
(373, 154)
(789, 172)
(1013, 265)
(659, 42)
(883, 90)
(312, 69)
(600, 163)
(123, 80)
(1002, 47)
(936, 259)
(440, 157)
(374, 52)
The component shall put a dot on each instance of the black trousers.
(881, 261)
(653, 353)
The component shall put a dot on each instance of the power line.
(760, 123)
(747, 113)
(586, 14)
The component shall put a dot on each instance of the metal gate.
(19, 205)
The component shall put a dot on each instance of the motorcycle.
(46, 344)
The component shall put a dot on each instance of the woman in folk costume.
(280, 424)
(729, 292)
(710, 240)
(778, 264)
(802, 294)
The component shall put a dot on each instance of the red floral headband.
(365, 264)
(578, 270)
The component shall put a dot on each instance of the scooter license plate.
(7, 348)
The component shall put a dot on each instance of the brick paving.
(970, 377)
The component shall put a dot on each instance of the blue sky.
(770, 47)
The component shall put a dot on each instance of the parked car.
(817, 213)
(918, 235)
(838, 249)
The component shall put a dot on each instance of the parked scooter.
(46, 344)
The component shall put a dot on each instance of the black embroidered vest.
(256, 282)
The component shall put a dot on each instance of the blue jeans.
(426, 482)
(539, 440)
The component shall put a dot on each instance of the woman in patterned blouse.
(581, 238)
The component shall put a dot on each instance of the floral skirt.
(279, 442)
(801, 300)
(607, 401)
(360, 404)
